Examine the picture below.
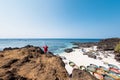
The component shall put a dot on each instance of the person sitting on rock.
(45, 48)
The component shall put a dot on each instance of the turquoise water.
(55, 45)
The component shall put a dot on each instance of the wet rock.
(75, 47)
(82, 75)
(68, 50)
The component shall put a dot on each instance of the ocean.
(56, 46)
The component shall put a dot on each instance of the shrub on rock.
(117, 48)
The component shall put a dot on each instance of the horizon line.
(57, 38)
(54, 38)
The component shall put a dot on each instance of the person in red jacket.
(45, 48)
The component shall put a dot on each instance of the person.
(45, 48)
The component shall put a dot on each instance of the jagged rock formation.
(108, 44)
(30, 63)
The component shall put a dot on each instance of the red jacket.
(45, 48)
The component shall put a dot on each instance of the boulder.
(68, 50)
(91, 55)
(85, 53)
(82, 75)
(75, 47)
(100, 58)
(117, 57)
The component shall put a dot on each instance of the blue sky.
(59, 18)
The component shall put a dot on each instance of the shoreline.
(79, 59)
(71, 64)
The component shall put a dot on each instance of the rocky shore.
(87, 44)
(103, 45)
(95, 58)
(30, 63)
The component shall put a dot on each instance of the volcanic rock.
(9, 48)
(75, 47)
(68, 50)
(30, 63)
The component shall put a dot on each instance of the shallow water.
(55, 45)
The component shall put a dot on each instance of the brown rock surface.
(30, 63)
(82, 75)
